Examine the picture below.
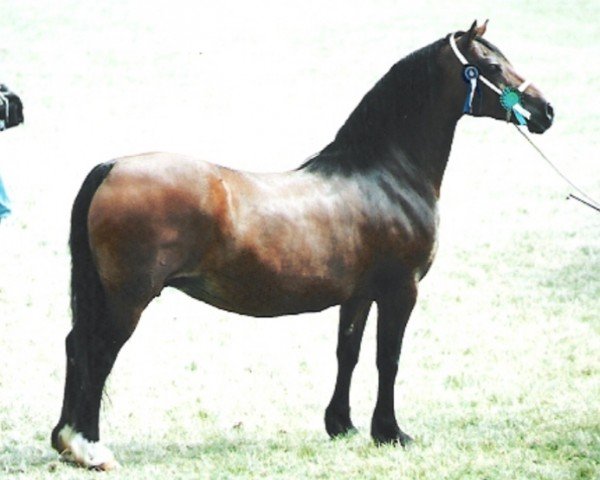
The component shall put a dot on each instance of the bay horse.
(353, 225)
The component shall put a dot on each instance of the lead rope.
(586, 200)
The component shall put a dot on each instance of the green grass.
(500, 374)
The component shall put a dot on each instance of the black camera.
(11, 108)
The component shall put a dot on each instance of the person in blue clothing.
(11, 115)
(4, 202)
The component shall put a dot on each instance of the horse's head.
(488, 85)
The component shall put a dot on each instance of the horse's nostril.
(549, 111)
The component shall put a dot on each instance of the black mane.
(389, 112)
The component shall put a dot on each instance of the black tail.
(88, 305)
(87, 295)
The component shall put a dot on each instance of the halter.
(510, 98)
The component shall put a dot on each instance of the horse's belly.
(262, 298)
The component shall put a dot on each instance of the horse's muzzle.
(542, 116)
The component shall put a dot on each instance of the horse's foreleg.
(353, 316)
(91, 353)
(394, 311)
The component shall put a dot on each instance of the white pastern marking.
(83, 452)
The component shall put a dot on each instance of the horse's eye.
(494, 68)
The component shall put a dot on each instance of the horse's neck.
(404, 124)
(415, 144)
(424, 143)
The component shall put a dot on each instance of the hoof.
(388, 433)
(74, 448)
(339, 425)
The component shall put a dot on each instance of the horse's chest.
(410, 240)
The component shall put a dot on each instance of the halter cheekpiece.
(510, 98)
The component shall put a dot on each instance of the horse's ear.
(474, 31)
(480, 31)
(468, 37)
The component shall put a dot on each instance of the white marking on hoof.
(77, 449)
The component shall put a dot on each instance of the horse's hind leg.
(92, 349)
(394, 311)
(353, 316)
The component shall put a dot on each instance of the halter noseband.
(510, 97)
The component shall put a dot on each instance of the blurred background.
(505, 337)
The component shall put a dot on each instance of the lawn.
(500, 373)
